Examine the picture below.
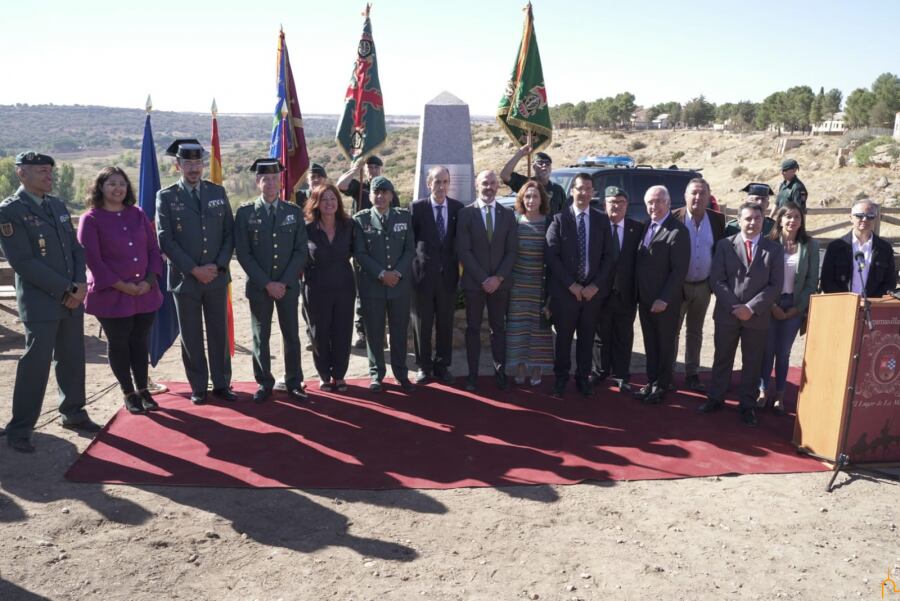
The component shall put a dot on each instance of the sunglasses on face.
(861, 216)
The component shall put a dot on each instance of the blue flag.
(165, 327)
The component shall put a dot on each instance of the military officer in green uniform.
(383, 250)
(270, 242)
(758, 193)
(316, 176)
(38, 240)
(791, 188)
(542, 166)
(195, 227)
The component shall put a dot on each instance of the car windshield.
(562, 179)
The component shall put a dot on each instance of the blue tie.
(582, 242)
(442, 228)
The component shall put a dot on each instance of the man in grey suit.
(660, 267)
(486, 242)
(746, 276)
(195, 226)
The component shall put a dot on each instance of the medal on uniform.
(178, 226)
(42, 244)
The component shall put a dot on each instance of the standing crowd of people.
(552, 272)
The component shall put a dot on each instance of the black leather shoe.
(693, 384)
(299, 393)
(375, 386)
(22, 445)
(262, 393)
(502, 380)
(748, 417)
(559, 387)
(643, 392)
(406, 385)
(422, 376)
(710, 406)
(657, 397)
(444, 377)
(226, 394)
(471, 383)
(198, 398)
(147, 401)
(87, 426)
(584, 387)
(597, 378)
(622, 385)
(133, 403)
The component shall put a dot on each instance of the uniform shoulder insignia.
(8, 201)
(402, 210)
(6, 229)
(361, 213)
(249, 203)
(170, 188)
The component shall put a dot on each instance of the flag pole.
(530, 140)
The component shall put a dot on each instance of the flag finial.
(214, 109)
(149, 106)
(367, 9)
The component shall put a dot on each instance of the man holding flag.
(195, 225)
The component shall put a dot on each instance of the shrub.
(677, 155)
(617, 135)
(738, 171)
(636, 145)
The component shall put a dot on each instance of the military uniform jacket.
(191, 235)
(270, 252)
(44, 252)
(377, 248)
(794, 191)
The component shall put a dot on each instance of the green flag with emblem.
(524, 107)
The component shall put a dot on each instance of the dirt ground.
(747, 537)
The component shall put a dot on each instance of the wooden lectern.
(848, 409)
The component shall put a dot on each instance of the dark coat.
(434, 258)
(482, 259)
(562, 253)
(838, 266)
(660, 268)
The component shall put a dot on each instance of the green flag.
(524, 107)
(361, 130)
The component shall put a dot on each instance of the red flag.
(288, 139)
(216, 177)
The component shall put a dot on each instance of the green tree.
(579, 114)
(64, 183)
(623, 108)
(832, 102)
(799, 100)
(886, 89)
(859, 105)
(699, 112)
(881, 115)
(817, 110)
(9, 183)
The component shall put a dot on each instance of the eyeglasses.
(541, 163)
(861, 216)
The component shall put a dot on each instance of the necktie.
(441, 226)
(272, 215)
(650, 237)
(748, 244)
(48, 209)
(582, 243)
(617, 247)
(195, 196)
(488, 222)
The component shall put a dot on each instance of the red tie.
(748, 244)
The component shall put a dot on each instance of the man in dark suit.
(746, 276)
(615, 325)
(195, 227)
(706, 227)
(435, 272)
(579, 255)
(487, 242)
(861, 248)
(662, 262)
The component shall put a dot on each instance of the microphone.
(860, 259)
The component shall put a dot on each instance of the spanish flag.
(216, 177)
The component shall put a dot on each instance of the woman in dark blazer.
(801, 272)
(124, 265)
(329, 286)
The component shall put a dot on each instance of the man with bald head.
(860, 260)
(486, 241)
(661, 265)
(435, 272)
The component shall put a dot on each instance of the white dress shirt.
(859, 283)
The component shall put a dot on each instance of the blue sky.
(186, 53)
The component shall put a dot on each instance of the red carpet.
(438, 437)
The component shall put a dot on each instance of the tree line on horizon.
(794, 109)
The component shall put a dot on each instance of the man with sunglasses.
(541, 166)
(860, 260)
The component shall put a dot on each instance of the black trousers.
(615, 337)
(209, 307)
(660, 334)
(753, 346)
(571, 316)
(330, 314)
(497, 305)
(433, 310)
(127, 348)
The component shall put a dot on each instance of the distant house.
(834, 125)
(727, 125)
(897, 126)
(661, 122)
(640, 119)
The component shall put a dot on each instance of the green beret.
(615, 191)
(374, 160)
(789, 164)
(317, 169)
(381, 183)
(34, 158)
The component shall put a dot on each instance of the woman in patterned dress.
(529, 342)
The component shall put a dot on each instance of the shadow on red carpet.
(437, 437)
